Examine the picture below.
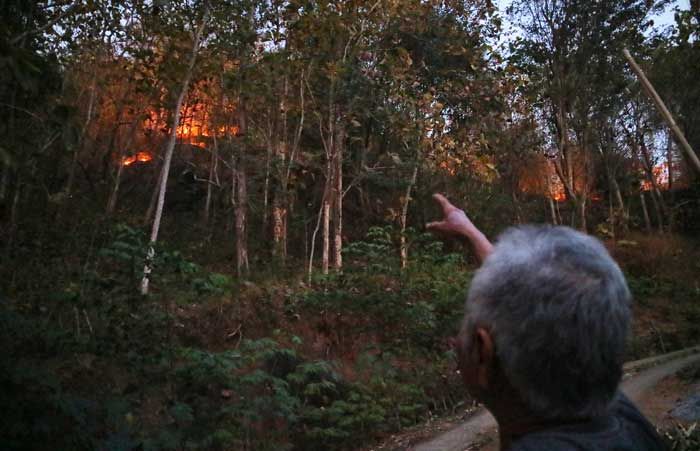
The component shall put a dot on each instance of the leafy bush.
(418, 306)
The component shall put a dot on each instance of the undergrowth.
(92, 365)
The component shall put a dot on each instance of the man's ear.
(485, 356)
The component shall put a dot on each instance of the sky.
(660, 21)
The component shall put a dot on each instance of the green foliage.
(418, 306)
(125, 256)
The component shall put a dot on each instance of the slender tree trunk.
(326, 219)
(558, 213)
(114, 194)
(14, 214)
(657, 211)
(645, 211)
(242, 266)
(169, 152)
(582, 213)
(611, 215)
(213, 168)
(239, 193)
(403, 245)
(553, 211)
(313, 238)
(656, 198)
(649, 170)
(624, 212)
(4, 180)
(279, 203)
(669, 160)
(154, 197)
(338, 197)
(266, 186)
(550, 200)
(79, 145)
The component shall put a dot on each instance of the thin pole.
(663, 110)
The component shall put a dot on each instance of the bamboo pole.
(663, 110)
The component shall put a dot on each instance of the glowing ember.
(141, 157)
(559, 196)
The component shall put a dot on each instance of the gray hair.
(558, 308)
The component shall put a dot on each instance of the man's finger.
(447, 207)
(435, 225)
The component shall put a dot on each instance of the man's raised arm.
(456, 224)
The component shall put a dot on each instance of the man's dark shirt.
(623, 429)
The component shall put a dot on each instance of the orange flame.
(559, 196)
(660, 173)
(195, 125)
(141, 157)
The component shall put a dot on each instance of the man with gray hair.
(542, 340)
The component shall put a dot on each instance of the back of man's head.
(558, 308)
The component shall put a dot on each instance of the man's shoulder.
(624, 429)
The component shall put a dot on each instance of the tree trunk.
(645, 211)
(154, 198)
(14, 214)
(553, 211)
(657, 211)
(669, 160)
(582, 214)
(338, 197)
(4, 180)
(279, 203)
(169, 152)
(403, 245)
(114, 194)
(624, 212)
(326, 219)
(239, 194)
(213, 168)
(266, 185)
(241, 184)
(79, 145)
(657, 197)
(313, 238)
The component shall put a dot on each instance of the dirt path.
(479, 432)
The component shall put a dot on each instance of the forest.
(212, 212)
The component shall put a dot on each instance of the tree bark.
(114, 194)
(279, 203)
(403, 245)
(213, 168)
(169, 152)
(313, 238)
(656, 197)
(326, 219)
(241, 219)
(338, 196)
(154, 197)
(79, 145)
(645, 211)
(624, 212)
(553, 211)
